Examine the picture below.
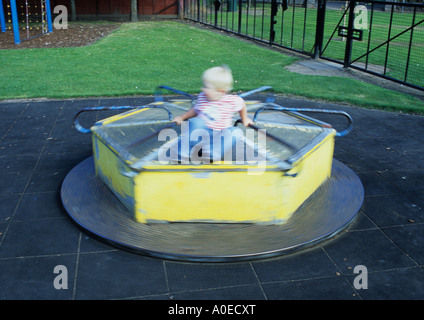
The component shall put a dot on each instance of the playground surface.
(76, 35)
(39, 146)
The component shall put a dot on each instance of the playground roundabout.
(125, 195)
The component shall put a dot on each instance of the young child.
(215, 107)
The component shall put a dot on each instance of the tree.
(134, 14)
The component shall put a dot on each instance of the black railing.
(382, 38)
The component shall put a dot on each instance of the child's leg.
(225, 143)
(194, 133)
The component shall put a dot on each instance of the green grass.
(138, 57)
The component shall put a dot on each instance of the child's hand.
(247, 122)
(178, 120)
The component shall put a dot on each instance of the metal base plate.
(329, 210)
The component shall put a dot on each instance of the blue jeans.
(214, 144)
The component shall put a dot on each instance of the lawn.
(138, 57)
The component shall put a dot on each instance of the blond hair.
(219, 77)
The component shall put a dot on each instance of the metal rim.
(328, 211)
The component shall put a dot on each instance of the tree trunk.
(134, 15)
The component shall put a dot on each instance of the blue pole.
(15, 21)
(49, 16)
(2, 19)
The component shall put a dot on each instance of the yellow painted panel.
(312, 170)
(207, 192)
(232, 196)
(209, 196)
(109, 168)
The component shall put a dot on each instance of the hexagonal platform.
(226, 210)
(261, 180)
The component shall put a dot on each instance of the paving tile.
(417, 200)
(378, 183)
(39, 206)
(67, 141)
(8, 205)
(58, 161)
(12, 183)
(107, 102)
(6, 126)
(370, 248)
(42, 110)
(31, 129)
(245, 292)
(16, 147)
(407, 180)
(398, 284)
(186, 277)
(303, 265)
(119, 274)
(396, 119)
(12, 110)
(362, 222)
(48, 180)
(401, 143)
(354, 161)
(410, 239)
(52, 170)
(78, 104)
(391, 160)
(39, 237)
(330, 288)
(397, 209)
(33, 278)
(141, 101)
(384, 149)
(3, 227)
(414, 156)
(92, 244)
(367, 128)
(20, 164)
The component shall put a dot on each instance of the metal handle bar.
(81, 129)
(288, 145)
(158, 91)
(282, 109)
(260, 89)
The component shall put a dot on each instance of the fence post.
(319, 33)
(349, 38)
(217, 5)
(240, 6)
(274, 10)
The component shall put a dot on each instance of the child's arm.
(243, 115)
(188, 115)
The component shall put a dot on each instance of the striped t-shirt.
(218, 114)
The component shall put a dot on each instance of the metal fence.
(382, 38)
